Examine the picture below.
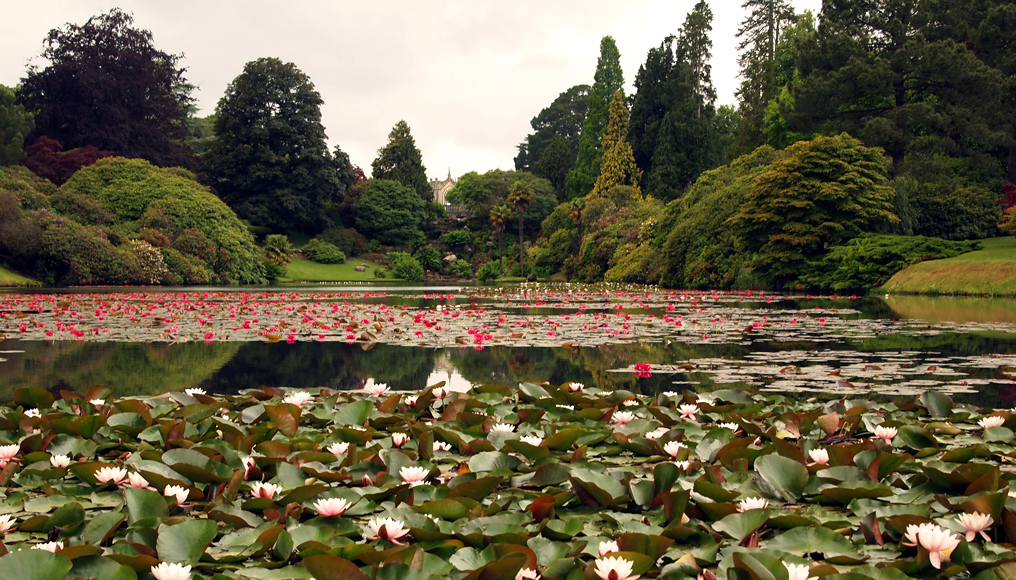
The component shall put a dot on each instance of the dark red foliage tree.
(108, 86)
(46, 158)
(1008, 195)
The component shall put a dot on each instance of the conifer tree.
(607, 80)
(400, 160)
(760, 35)
(651, 103)
(618, 165)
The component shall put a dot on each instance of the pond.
(146, 342)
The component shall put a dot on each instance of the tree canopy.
(15, 125)
(389, 211)
(400, 160)
(618, 166)
(107, 85)
(550, 151)
(269, 160)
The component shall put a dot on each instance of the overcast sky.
(467, 75)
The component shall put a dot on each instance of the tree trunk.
(1012, 152)
(522, 263)
(500, 249)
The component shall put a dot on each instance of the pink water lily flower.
(387, 529)
(688, 411)
(615, 568)
(399, 439)
(60, 461)
(938, 542)
(414, 475)
(575, 387)
(7, 522)
(752, 503)
(137, 480)
(265, 490)
(7, 452)
(440, 393)
(442, 446)
(818, 457)
(178, 492)
(622, 417)
(975, 523)
(885, 433)
(991, 421)
(171, 571)
(375, 389)
(910, 537)
(115, 474)
(333, 506)
(673, 448)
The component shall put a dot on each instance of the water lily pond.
(562, 433)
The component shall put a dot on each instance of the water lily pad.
(34, 565)
(786, 476)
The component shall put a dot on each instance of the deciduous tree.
(270, 161)
(550, 151)
(107, 85)
(389, 211)
(15, 125)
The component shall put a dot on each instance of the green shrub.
(31, 190)
(274, 270)
(323, 252)
(488, 272)
(380, 272)
(461, 268)
(389, 212)
(278, 250)
(347, 240)
(186, 269)
(405, 267)
(429, 258)
(456, 238)
(194, 242)
(74, 255)
(869, 261)
(81, 208)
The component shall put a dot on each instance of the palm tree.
(499, 217)
(521, 195)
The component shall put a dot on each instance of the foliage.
(73, 254)
(193, 242)
(428, 257)
(278, 250)
(399, 160)
(819, 193)
(15, 125)
(618, 165)
(323, 252)
(461, 268)
(551, 150)
(482, 193)
(269, 160)
(488, 272)
(405, 267)
(760, 34)
(868, 261)
(107, 85)
(607, 80)
(135, 192)
(456, 238)
(389, 212)
(697, 250)
(380, 272)
(82, 208)
(31, 190)
(347, 240)
(46, 158)
(618, 222)
(650, 104)
(521, 196)
(20, 236)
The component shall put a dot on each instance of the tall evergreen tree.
(760, 35)
(400, 160)
(687, 143)
(651, 103)
(550, 151)
(618, 166)
(607, 81)
(871, 71)
(269, 160)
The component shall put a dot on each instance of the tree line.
(600, 187)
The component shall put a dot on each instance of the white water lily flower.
(387, 529)
(534, 440)
(399, 439)
(411, 400)
(657, 433)
(910, 537)
(939, 542)
(7, 452)
(265, 490)
(752, 503)
(414, 475)
(137, 480)
(97, 402)
(248, 462)
(991, 421)
(630, 402)
(688, 411)
(115, 474)
(49, 546)
(607, 546)
(298, 398)
(673, 448)
(177, 491)
(171, 571)
(440, 393)
(338, 448)
(975, 523)
(575, 387)
(505, 427)
(442, 446)
(527, 574)
(566, 407)
(7, 522)
(731, 426)
(798, 572)
(375, 389)
(333, 506)
(622, 417)
(818, 457)
(33, 413)
(194, 391)
(683, 465)
(60, 461)
(885, 433)
(615, 568)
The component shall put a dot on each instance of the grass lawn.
(8, 278)
(990, 271)
(300, 270)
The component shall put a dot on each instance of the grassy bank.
(300, 270)
(8, 278)
(990, 271)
